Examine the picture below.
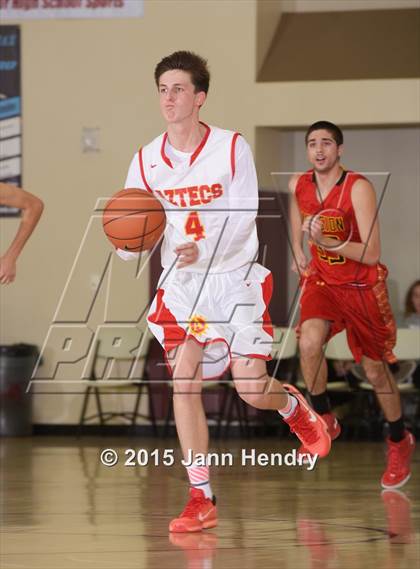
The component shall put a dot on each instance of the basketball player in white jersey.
(211, 307)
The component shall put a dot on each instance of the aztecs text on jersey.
(339, 222)
(210, 197)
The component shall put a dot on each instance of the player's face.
(322, 150)
(177, 97)
(415, 297)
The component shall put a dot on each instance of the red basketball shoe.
(308, 426)
(399, 454)
(199, 513)
(334, 430)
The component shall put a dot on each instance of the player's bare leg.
(258, 389)
(383, 382)
(400, 442)
(190, 419)
(313, 335)
(200, 511)
(255, 386)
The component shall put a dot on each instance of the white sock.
(290, 407)
(199, 478)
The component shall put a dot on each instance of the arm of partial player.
(31, 207)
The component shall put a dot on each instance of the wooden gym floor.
(62, 509)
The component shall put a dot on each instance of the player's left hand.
(187, 254)
(7, 269)
(313, 227)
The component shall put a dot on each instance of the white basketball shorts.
(227, 313)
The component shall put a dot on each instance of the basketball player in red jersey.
(344, 286)
(31, 207)
(210, 310)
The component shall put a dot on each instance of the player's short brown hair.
(187, 61)
(332, 128)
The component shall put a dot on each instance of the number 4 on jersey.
(194, 227)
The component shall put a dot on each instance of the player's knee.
(187, 380)
(186, 389)
(186, 370)
(253, 399)
(376, 375)
(252, 392)
(309, 346)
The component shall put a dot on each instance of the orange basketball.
(133, 220)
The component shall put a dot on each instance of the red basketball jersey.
(338, 221)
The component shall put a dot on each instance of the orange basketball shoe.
(308, 426)
(334, 430)
(199, 513)
(399, 454)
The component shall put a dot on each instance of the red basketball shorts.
(364, 312)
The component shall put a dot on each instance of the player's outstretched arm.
(32, 208)
(295, 219)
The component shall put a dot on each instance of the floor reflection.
(324, 553)
(199, 548)
(398, 513)
(321, 548)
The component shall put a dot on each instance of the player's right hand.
(7, 269)
(299, 263)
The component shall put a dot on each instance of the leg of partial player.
(200, 511)
(400, 442)
(258, 389)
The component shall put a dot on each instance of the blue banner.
(9, 107)
(10, 110)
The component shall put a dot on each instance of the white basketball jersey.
(210, 197)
